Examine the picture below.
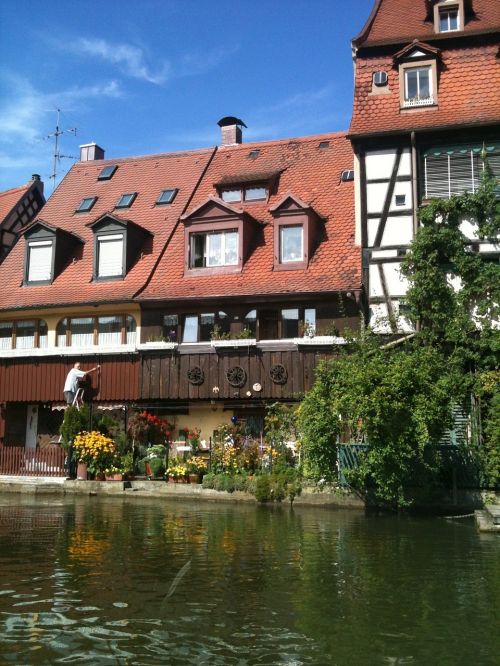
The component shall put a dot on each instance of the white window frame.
(43, 274)
(283, 229)
(449, 10)
(418, 100)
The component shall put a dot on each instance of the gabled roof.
(399, 21)
(417, 48)
(289, 197)
(312, 174)
(18, 207)
(145, 175)
(212, 201)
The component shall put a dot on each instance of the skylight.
(167, 196)
(86, 204)
(324, 144)
(253, 154)
(126, 200)
(107, 172)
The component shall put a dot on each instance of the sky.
(153, 76)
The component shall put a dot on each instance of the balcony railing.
(418, 101)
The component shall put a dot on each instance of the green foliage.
(490, 452)
(74, 421)
(263, 488)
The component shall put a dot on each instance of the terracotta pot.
(114, 477)
(81, 471)
(194, 478)
(100, 476)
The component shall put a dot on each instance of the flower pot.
(81, 471)
(194, 478)
(100, 476)
(114, 477)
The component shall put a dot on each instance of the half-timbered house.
(18, 207)
(426, 114)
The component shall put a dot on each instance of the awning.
(464, 149)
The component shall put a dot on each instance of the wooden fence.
(18, 461)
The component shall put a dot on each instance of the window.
(418, 86)
(212, 249)
(324, 144)
(448, 19)
(126, 200)
(253, 154)
(204, 327)
(86, 204)
(290, 323)
(40, 260)
(400, 199)
(110, 256)
(105, 331)
(250, 322)
(166, 196)
(291, 243)
(108, 172)
(250, 193)
(310, 322)
(28, 334)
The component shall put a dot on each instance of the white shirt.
(71, 383)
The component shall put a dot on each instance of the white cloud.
(133, 60)
(27, 116)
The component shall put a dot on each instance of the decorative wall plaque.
(195, 375)
(278, 374)
(236, 376)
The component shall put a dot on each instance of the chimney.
(231, 130)
(39, 183)
(90, 152)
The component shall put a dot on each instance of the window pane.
(411, 91)
(167, 196)
(110, 251)
(5, 334)
(224, 322)
(255, 193)
(231, 195)
(197, 254)
(231, 248)
(290, 323)
(126, 200)
(190, 328)
(43, 334)
(170, 324)
(291, 246)
(62, 327)
(424, 88)
(82, 332)
(214, 250)
(109, 331)
(207, 323)
(310, 321)
(251, 322)
(25, 334)
(130, 329)
(40, 261)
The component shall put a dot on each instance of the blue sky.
(153, 76)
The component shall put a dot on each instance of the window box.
(240, 342)
(150, 346)
(319, 340)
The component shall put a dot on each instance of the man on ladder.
(72, 393)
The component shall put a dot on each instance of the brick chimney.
(39, 182)
(231, 130)
(90, 152)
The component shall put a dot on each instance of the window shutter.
(40, 261)
(110, 255)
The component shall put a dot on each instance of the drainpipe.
(414, 184)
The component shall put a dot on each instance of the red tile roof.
(145, 175)
(398, 21)
(468, 93)
(10, 198)
(309, 173)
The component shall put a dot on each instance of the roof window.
(167, 196)
(108, 172)
(449, 15)
(324, 144)
(253, 154)
(86, 204)
(250, 193)
(347, 175)
(126, 200)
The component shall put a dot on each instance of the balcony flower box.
(240, 342)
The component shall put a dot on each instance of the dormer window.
(166, 196)
(417, 75)
(110, 259)
(47, 251)
(295, 232)
(250, 193)
(116, 246)
(86, 204)
(449, 15)
(214, 248)
(108, 172)
(126, 200)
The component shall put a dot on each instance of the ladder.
(78, 399)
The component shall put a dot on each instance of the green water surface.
(105, 581)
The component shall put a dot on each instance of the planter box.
(151, 346)
(241, 342)
(114, 477)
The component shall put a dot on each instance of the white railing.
(418, 101)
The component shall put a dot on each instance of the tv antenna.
(57, 155)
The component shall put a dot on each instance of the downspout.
(414, 183)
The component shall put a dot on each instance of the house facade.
(205, 284)
(18, 207)
(426, 116)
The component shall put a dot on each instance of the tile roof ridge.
(19, 188)
(152, 156)
(293, 139)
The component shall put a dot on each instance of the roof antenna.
(57, 155)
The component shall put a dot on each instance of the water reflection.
(92, 581)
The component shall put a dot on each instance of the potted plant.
(128, 465)
(113, 473)
(196, 467)
(95, 450)
(176, 473)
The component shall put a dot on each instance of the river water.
(105, 581)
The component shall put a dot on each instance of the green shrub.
(208, 481)
(263, 488)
